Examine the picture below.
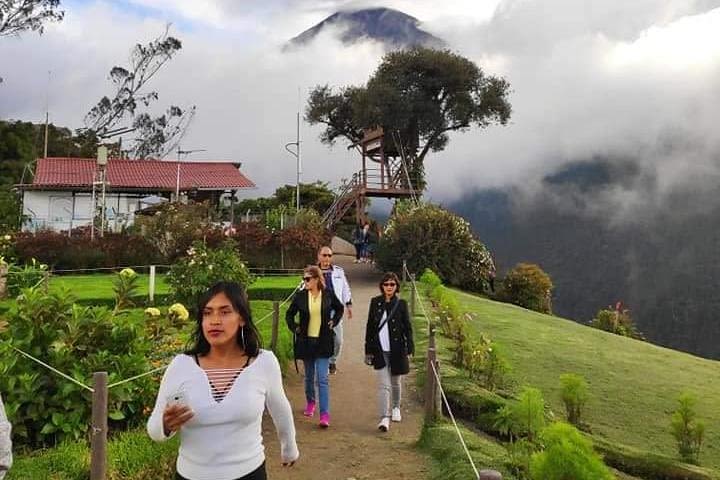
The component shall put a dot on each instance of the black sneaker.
(333, 369)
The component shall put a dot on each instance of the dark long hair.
(238, 298)
(389, 276)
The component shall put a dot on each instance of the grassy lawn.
(100, 286)
(633, 385)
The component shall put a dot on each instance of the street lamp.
(296, 154)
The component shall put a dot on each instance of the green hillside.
(633, 385)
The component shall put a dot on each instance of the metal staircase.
(349, 194)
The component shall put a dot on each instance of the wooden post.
(3, 279)
(404, 274)
(151, 286)
(412, 297)
(99, 427)
(46, 282)
(490, 475)
(431, 386)
(275, 326)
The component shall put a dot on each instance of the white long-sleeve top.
(5, 443)
(223, 440)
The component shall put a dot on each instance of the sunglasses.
(326, 254)
(389, 284)
(307, 279)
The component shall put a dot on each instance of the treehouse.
(384, 174)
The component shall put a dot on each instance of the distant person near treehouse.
(357, 239)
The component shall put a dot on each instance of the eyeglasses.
(307, 279)
(326, 254)
(389, 284)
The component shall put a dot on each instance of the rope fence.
(100, 389)
(433, 385)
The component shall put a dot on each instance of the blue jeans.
(338, 329)
(319, 368)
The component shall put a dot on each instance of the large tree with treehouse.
(417, 97)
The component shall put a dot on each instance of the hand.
(174, 417)
(348, 309)
(368, 359)
(331, 324)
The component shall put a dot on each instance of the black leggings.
(258, 474)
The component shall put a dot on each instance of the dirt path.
(352, 448)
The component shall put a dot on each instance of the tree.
(316, 196)
(17, 16)
(418, 96)
(156, 136)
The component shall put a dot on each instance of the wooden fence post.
(490, 475)
(3, 279)
(275, 326)
(151, 285)
(412, 297)
(99, 427)
(404, 273)
(431, 386)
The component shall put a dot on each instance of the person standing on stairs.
(388, 343)
(313, 337)
(336, 283)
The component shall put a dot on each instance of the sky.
(605, 78)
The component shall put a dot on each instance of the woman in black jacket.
(314, 344)
(388, 342)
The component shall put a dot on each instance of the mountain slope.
(393, 28)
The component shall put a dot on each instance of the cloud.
(618, 79)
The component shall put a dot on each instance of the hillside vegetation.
(633, 385)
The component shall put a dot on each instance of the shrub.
(175, 227)
(125, 287)
(616, 320)
(688, 431)
(496, 368)
(203, 267)
(45, 408)
(529, 413)
(529, 286)
(430, 279)
(574, 394)
(567, 455)
(428, 236)
(25, 276)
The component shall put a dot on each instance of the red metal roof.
(139, 174)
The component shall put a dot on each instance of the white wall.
(55, 210)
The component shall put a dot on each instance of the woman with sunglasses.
(388, 342)
(319, 312)
(215, 394)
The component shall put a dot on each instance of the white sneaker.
(396, 417)
(384, 424)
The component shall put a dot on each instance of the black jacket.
(331, 310)
(401, 335)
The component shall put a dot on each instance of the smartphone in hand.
(178, 398)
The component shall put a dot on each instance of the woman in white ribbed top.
(215, 395)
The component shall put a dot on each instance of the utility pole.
(47, 115)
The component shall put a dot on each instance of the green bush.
(529, 286)
(567, 455)
(428, 236)
(574, 394)
(430, 279)
(528, 414)
(46, 408)
(688, 431)
(125, 286)
(616, 320)
(194, 274)
(25, 276)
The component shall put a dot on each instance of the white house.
(61, 194)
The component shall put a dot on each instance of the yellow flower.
(179, 310)
(152, 312)
(128, 272)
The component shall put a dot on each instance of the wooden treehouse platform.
(388, 177)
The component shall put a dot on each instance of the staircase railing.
(347, 188)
